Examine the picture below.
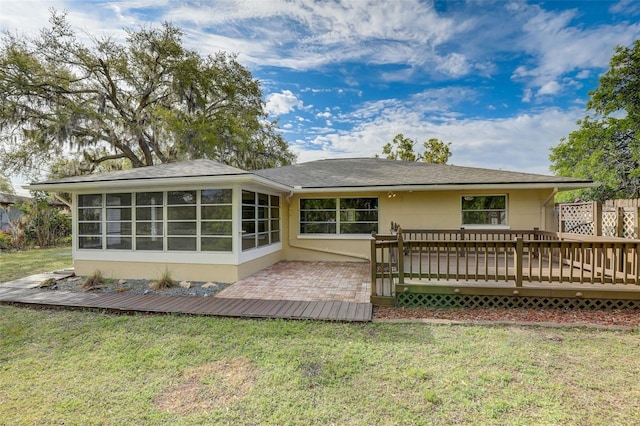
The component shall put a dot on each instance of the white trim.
(226, 258)
(501, 227)
(445, 187)
(165, 183)
(257, 253)
(334, 236)
(483, 226)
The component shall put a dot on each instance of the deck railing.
(507, 256)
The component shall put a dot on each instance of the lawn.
(81, 367)
(18, 264)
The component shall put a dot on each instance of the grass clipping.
(208, 386)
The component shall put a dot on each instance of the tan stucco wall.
(151, 270)
(422, 210)
(251, 267)
(178, 271)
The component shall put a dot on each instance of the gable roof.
(379, 172)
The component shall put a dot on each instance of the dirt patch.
(606, 318)
(208, 386)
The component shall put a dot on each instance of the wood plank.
(231, 308)
(324, 312)
(343, 312)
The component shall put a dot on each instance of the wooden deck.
(210, 306)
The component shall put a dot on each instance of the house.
(9, 213)
(203, 220)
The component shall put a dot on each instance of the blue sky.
(502, 80)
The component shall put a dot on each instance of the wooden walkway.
(213, 306)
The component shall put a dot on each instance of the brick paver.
(306, 281)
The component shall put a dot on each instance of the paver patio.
(306, 281)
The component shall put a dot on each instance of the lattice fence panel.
(610, 223)
(629, 221)
(510, 302)
(577, 218)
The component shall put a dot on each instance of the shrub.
(5, 241)
(164, 282)
(93, 281)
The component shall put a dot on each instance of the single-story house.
(203, 220)
(9, 213)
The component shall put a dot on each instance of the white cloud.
(550, 88)
(282, 103)
(519, 143)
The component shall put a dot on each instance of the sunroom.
(198, 220)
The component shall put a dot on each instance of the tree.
(5, 185)
(436, 151)
(402, 148)
(143, 102)
(606, 148)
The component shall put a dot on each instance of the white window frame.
(504, 225)
(336, 219)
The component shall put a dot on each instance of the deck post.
(400, 257)
(597, 219)
(374, 263)
(519, 261)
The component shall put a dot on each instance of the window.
(90, 221)
(158, 221)
(182, 224)
(484, 210)
(149, 221)
(216, 220)
(118, 221)
(260, 219)
(338, 215)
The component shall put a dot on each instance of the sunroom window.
(182, 224)
(260, 219)
(149, 221)
(216, 220)
(118, 221)
(194, 220)
(488, 210)
(90, 221)
(338, 215)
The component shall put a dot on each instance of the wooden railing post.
(620, 222)
(400, 257)
(519, 261)
(374, 265)
(597, 219)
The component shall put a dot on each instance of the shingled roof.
(193, 168)
(373, 172)
(327, 174)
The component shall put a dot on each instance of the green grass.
(18, 264)
(73, 367)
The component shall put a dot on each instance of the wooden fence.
(615, 218)
(514, 257)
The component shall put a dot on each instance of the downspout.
(544, 207)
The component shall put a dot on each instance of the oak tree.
(148, 100)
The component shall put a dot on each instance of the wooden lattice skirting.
(415, 300)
